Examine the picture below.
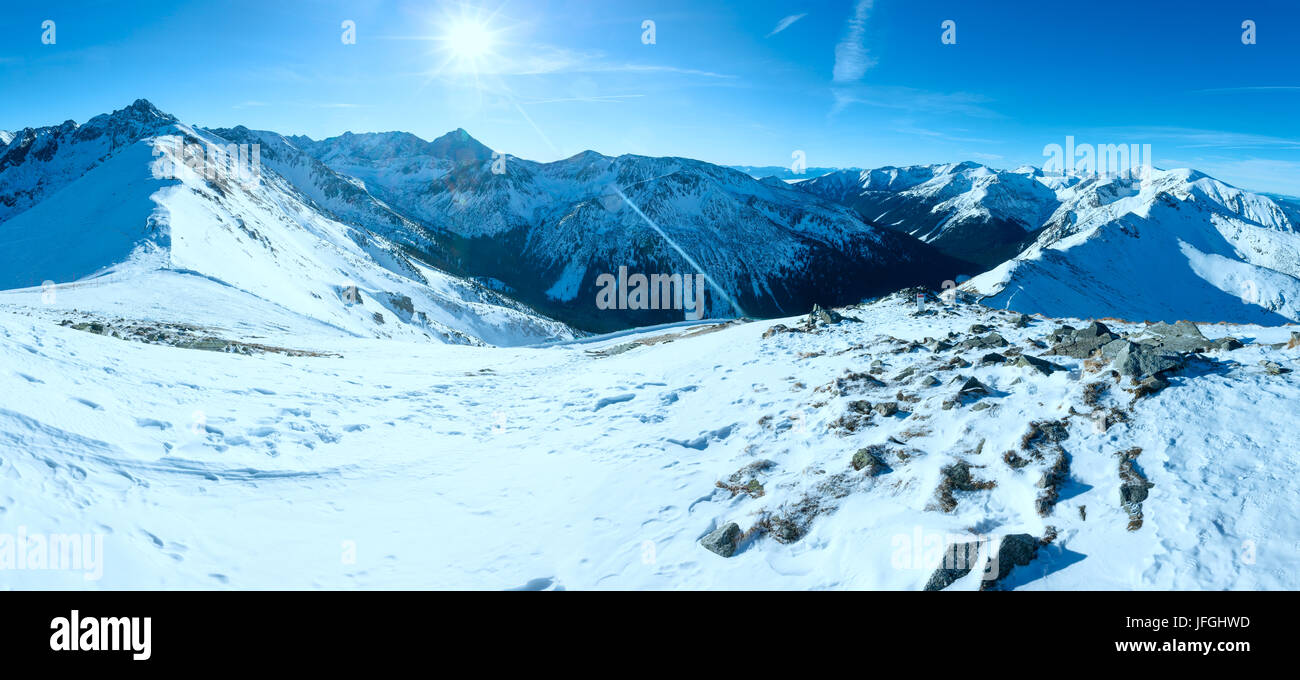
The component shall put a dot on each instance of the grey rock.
(822, 316)
(958, 560)
(1081, 343)
(870, 461)
(887, 408)
(723, 540)
(1042, 366)
(1181, 337)
(1228, 344)
(1015, 550)
(1140, 361)
(992, 358)
(974, 387)
(929, 381)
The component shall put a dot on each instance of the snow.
(593, 464)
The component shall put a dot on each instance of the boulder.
(723, 540)
(992, 358)
(958, 559)
(869, 461)
(1141, 361)
(1042, 366)
(1015, 550)
(1227, 344)
(1081, 343)
(973, 387)
(1181, 337)
(823, 316)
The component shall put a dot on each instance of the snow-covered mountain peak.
(459, 147)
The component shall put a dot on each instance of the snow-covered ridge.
(1175, 244)
(1160, 244)
(113, 201)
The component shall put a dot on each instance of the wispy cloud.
(1193, 138)
(908, 129)
(786, 23)
(912, 99)
(852, 59)
(542, 59)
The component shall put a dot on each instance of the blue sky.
(848, 83)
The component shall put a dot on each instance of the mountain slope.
(547, 231)
(967, 210)
(115, 199)
(1176, 245)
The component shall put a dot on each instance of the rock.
(1015, 550)
(823, 316)
(1112, 348)
(989, 341)
(980, 328)
(1081, 343)
(1042, 366)
(1181, 337)
(869, 460)
(723, 540)
(992, 358)
(1134, 493)
(938, 345)
(1151, 385)
(1020, 321)
(959, 362)
(905, 374)
(776, 330)
(1140, 361)
(1228, 344)
(981, 406)
(1061, 333)
(929, 381)
(958, 559)
(1273, 368)
(887, 408)
(974, 387)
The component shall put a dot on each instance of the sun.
(469, 40)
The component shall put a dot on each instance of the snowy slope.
(597, 465)
(111, 199)
(1176, 245)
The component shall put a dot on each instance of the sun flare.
(469, 42)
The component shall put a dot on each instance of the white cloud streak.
(852, 58)
(786, 23)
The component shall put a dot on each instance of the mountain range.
(390, 235)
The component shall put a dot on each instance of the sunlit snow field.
(594, 464)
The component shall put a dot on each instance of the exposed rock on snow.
(723, 540)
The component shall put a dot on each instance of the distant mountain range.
(447, 239)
